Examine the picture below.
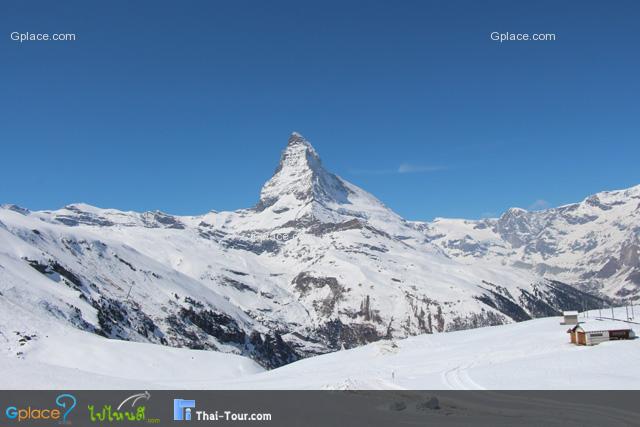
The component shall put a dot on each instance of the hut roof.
(603, 325)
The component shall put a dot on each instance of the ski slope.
(535, 354)
(80, 360)
(41, 353)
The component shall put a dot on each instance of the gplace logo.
(66, 402)
(182, 409)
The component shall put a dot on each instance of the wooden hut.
(570, 318)
(597, 331)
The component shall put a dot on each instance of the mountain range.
(318, 264)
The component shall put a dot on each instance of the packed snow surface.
(534, 354)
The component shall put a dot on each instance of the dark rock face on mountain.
(317, 265)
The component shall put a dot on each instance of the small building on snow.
(597, 331)
(570, 318)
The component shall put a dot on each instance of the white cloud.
(484, 215)
(404, 168)
(539, 205)
(372, 171)
(409, 168)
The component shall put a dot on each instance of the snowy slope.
(36, 352)
(318, 264)
(534, 354)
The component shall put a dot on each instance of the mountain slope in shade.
(317, 265)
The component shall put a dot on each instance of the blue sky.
(186, 106)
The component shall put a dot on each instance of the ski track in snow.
(458, 378)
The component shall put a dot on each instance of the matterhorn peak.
(300, 178)
(297, 138)
(299, 155)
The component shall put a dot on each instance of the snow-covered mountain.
(594, 244)
(318, 264)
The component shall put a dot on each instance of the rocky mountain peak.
(297, 139)
(299, 156)
(300, 178)
(516, 226)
